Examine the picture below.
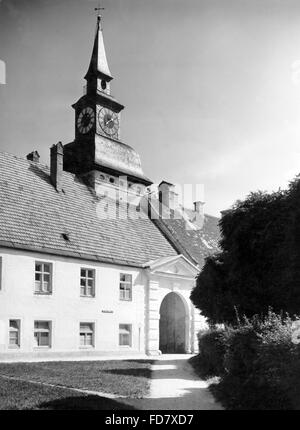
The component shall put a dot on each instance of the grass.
(130, 378)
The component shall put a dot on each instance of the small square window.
(43, 278)
(42, 333)
(125, 334)
(14, 333)
(86, 334)
(125, 287)
(87, 282)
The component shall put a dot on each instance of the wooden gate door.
(172, 325)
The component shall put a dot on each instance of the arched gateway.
(172, 324)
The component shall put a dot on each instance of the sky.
(211, 88)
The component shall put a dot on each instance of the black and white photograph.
(149, 208)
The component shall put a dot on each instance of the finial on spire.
(99, 16)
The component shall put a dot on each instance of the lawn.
(130, 378)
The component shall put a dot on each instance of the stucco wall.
(65, 308)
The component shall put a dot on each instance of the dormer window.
(103, 85)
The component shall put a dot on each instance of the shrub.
(211, 351)
(260, 364)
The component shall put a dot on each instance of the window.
(42, 333)
(43, 278)
(125, 334)
(125, 287)
(86, 334)
(87, 282)
(14, 333)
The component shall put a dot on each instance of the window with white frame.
(42, 333)
(125, 334)
(14, 333)
(125, 286)
(43, 278)
(86, 334)
(87, 282)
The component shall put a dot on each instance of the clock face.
(109, 121)
(86, 120)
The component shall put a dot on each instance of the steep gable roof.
(194, 240)
(34, 216)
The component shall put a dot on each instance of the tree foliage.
(258, 265)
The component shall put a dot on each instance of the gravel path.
(175, 385)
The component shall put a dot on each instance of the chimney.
(199, 207)
(56, 165)
(168, 198)
(33, 156)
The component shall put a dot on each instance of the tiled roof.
(193, 239)
(34, 216)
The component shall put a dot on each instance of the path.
(175, 385)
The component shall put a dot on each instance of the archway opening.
(172, 325)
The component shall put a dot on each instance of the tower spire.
(98, 65)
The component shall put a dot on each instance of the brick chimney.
(56, 165)
(33, 156)
(168, 198)
(199, 207)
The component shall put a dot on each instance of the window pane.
(90, 282)
(47, 268)
(36, 339)
(85, 327)
(38, 286)
(82, 291)
(44, 339)
(82, 272)
(127, 278)
(14, 338)
(83, 282)
(37, 276)
(89, 339)
(125, 334)
(82, 339)
(46, 277)
(90, 274)
(38, 267)
(41, 325)
(14, 324)
(122, 277)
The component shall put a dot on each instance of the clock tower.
(98, 154)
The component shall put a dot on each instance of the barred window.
(87, 334)
(125, 287)
(125, 331)
(42, 333)
(14, 333)
(87, 282)
(43, 278)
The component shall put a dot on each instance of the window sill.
(42, 294)
(125, 300)
(36, 348)
(86, 347)
(15, 348)
(87, 297)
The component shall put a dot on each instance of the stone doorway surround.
(171, 274)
